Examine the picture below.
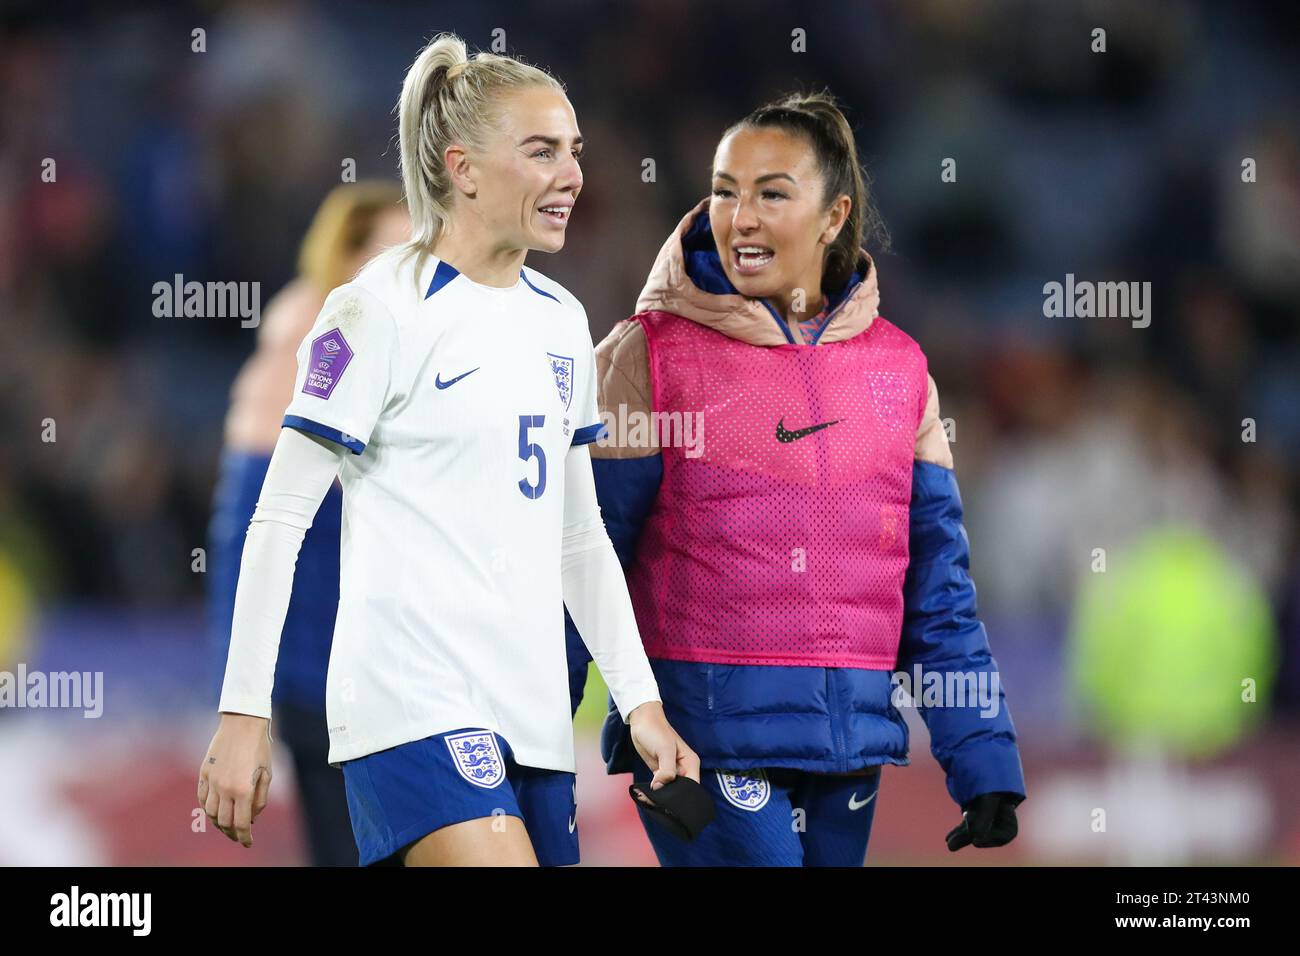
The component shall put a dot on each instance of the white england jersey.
(459, 402)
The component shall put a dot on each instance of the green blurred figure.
(1173, 646)
(1173, 654)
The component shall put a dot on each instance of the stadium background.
(1071, 434)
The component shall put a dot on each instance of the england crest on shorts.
(562, 369)
(748, 790)
(477, 758)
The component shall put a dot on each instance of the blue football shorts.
(400, 795)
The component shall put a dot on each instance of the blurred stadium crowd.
(1070, 434)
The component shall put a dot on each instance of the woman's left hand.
(663, 751)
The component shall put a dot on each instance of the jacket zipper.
(832, 708)
(830, 317)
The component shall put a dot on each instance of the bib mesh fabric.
(773, 540)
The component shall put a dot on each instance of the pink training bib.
(780, 536)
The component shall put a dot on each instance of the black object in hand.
(681, 805)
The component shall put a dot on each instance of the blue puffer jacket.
(815, 719)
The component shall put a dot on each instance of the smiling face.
(770, 220)
(527, 178)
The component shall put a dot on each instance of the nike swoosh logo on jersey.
(853, 800)
(437, 379)
(573, 824)
(788, 436)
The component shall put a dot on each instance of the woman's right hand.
(235, 777)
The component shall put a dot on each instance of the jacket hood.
(688, 280)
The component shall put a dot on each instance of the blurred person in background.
(811, 543)
(355, 223)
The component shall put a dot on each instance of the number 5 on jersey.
(529, 450)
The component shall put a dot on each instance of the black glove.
(683, 806)
(988, 820)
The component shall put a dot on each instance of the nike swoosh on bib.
(788, 436)
(853, 801)
(437, 379)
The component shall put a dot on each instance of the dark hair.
(818, 118)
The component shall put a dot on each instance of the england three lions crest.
(748, 790)
(477, 758)
(562, 369)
